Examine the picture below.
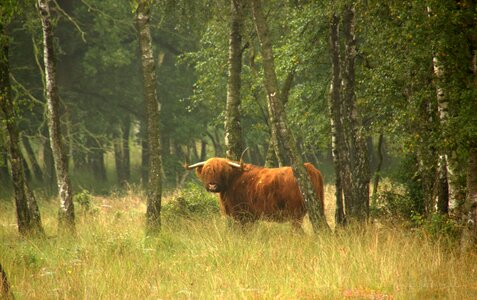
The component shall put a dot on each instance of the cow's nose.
(212, 187)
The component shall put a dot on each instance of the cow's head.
(216, 173)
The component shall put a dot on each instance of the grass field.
(205, 258)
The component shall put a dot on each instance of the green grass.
(205, 258)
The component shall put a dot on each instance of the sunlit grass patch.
(204, 257)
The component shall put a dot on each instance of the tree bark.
(469, 237)
(443, 194)
(48, 161)
(233, 129)
(121, 153)
(358, 159)
(337, 138)
(25, 205)
(377, 173)
(66, 213)
(4, 285)
(203, 150)
(154, 188)
(279, 124)
(4, 170)
(144, 153)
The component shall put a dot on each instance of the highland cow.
(248, 193)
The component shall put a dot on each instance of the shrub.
(84, 202)
(438, 226)
(394, 200)
(191, 201)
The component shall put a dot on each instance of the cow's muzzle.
(213, 187)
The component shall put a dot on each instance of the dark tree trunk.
(32, 158)
(337, 137)
(4, 170)
(377, 173)
(4, 285)
(126, 128)
(203, 150)
(47, 156)
(118, 161)
(121, 153)
(195, 152)
(154, 187)
(233, 129)
(359, 205)
(66, 211)
(144, 153)
(95, 159)
(470, 207)
(469, 237)
(443, 186)
(26, 168)
(25, 205)
(279, 123)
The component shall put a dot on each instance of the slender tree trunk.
(26, 168)
(118, 161)
(203, 150)
(21, 201)
(66, 211)
(47, 156)
(337, 138)
(469, 237)
(443, 194)
(144, 153)
(4, 171)
(377, 173)
(121, 153)
(126, 153)
(25, 206)
(96, 159)
(4, 285)
(233, 129)
(279, 123)
(154, 189)
(195, 152)
(358, 158)
(32, 158)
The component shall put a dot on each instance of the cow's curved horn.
(241, 156)
(235, 165)
(199, 164)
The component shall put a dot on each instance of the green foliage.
(395, 202)
(438, 226)
(192, 201)
(84, 203)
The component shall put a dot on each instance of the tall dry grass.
(205, 258)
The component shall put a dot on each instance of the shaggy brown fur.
(253, 192)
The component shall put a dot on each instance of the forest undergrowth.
(200, 255)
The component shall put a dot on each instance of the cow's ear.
(198, 170)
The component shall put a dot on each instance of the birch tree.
(357, 203)
(233, 129)
(154, 186)
(279, 123)
(338, 142)
(66, 213)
